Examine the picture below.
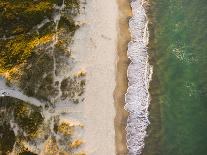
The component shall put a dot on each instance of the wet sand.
(121, 77)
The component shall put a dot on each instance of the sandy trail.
(14, 92)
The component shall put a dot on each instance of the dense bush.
(19, 31)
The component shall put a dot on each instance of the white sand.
(95, 50)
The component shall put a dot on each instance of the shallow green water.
(179, 56)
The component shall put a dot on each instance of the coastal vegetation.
(7, 139)
(66, 129)
(35, 50)
(25, 25)
(35, 56)
(18, 116)
(76, 143)
(18, 37)
(23, 125)
(28, 118)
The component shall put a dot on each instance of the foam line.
(139, 74)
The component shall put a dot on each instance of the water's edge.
(122, 63)
(139, 74)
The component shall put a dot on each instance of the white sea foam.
(137, 98)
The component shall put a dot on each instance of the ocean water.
(178, 53)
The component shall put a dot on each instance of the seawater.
(139, 74)
(178, 52)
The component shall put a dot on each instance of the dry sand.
(95, 48)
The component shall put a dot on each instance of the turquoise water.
(179, 54)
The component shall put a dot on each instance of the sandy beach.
(103, 54)
(95, 48)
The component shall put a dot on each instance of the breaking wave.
(139, 73)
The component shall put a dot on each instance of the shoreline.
(124, 38)
(139, 75)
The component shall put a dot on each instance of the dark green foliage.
(71, 4)
(68, 23)
(19, 22)
(21, 16)
(15, 51)
(27, 118)
(37, 80)
(7, 138)
(27, 153)
(72, 88)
